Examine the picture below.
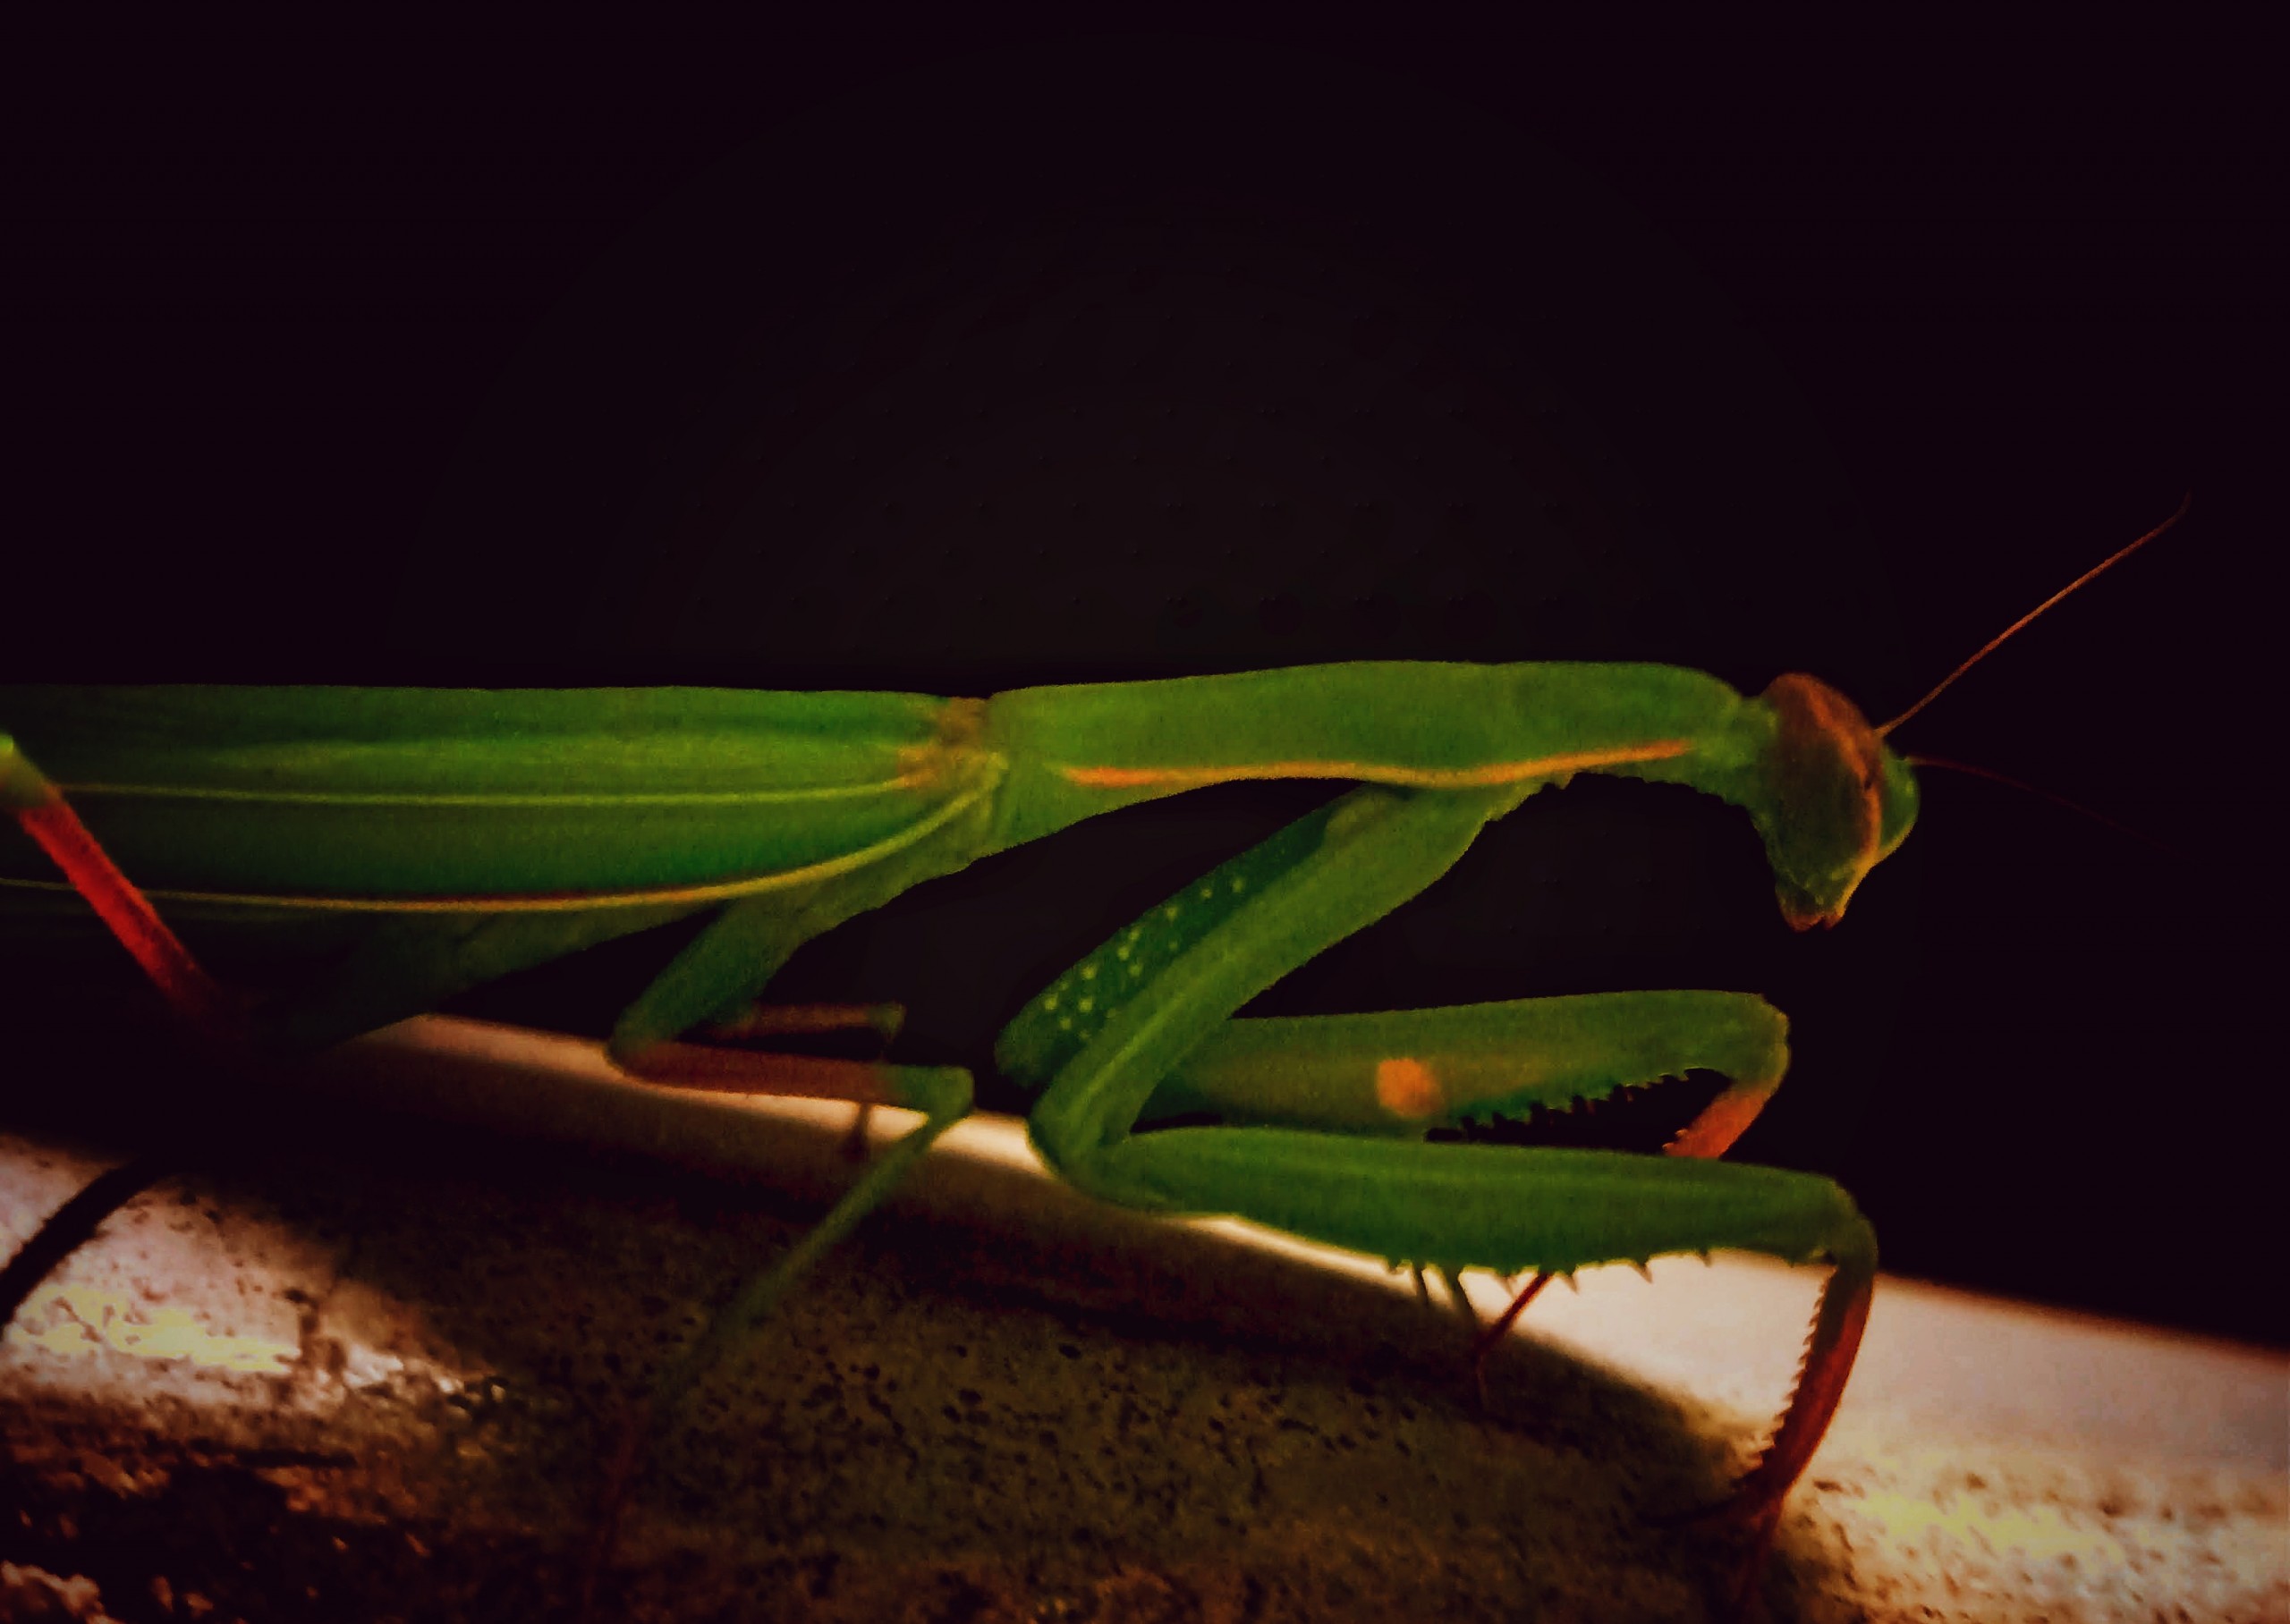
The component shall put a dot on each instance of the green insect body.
(437, 839)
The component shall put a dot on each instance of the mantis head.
(1836, 802)
(1831, 798)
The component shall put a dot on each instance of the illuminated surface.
(68, 1322)
(1009, 1370)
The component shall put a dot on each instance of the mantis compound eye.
(1835, 802)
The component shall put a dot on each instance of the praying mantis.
(445, 838)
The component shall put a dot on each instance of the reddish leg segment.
(760, 1021)
(1838, 1324)
(755, 1020)
(41, 809)
(1492, 1337)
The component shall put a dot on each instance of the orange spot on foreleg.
(1408, 1088)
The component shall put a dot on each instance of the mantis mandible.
(446, 837)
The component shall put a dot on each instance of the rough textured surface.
(376, 1382)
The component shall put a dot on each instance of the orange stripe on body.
(1413, 778)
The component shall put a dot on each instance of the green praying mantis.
(433, 840)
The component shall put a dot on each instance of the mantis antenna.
(1993, 776)
(1998, 641)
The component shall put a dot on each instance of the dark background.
(955, 362)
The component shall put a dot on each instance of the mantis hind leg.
(208, 1009)
(204, 1005)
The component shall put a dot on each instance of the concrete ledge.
(371, 1379)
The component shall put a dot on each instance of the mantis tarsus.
(431, 840)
